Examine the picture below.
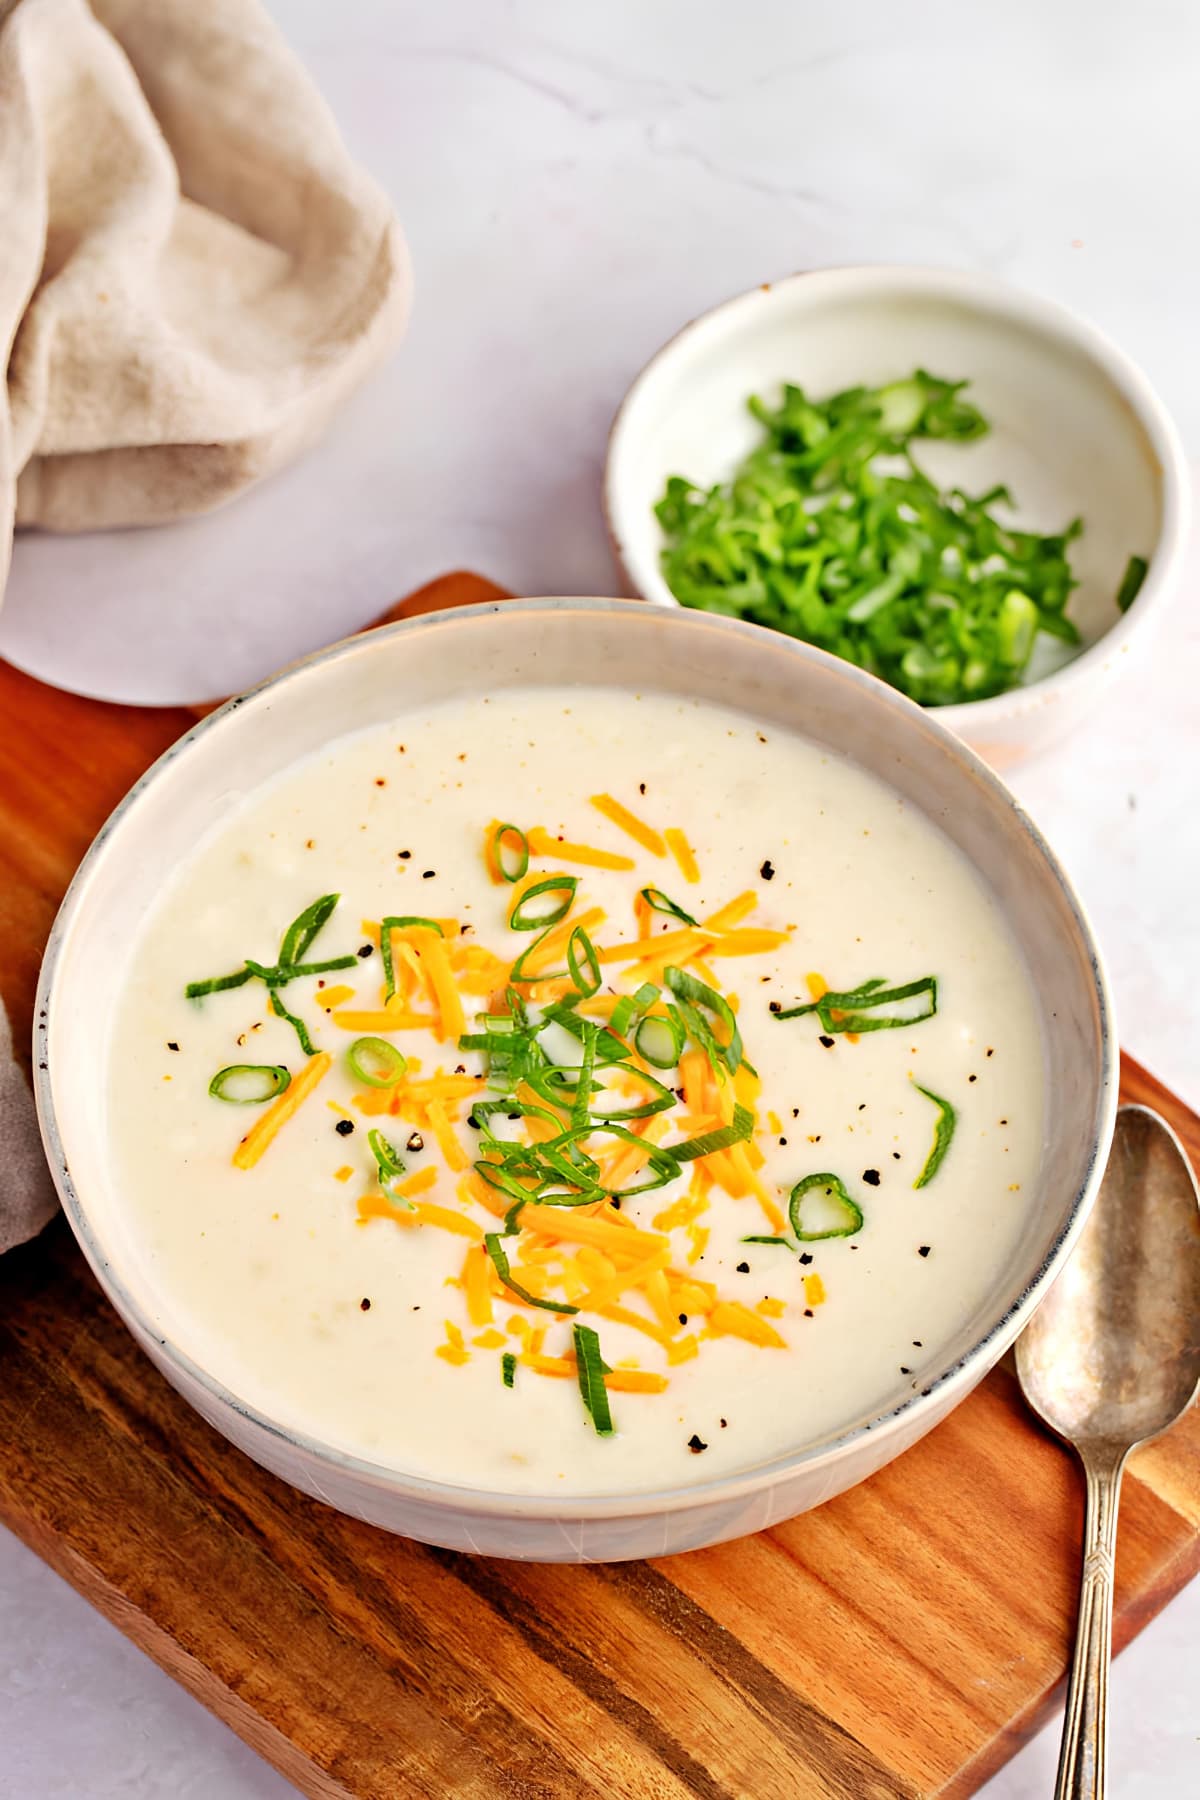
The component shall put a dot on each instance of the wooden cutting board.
(903, 1640)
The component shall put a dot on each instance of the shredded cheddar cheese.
(642, 834)
(268, 1126)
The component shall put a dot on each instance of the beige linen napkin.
(26, 1191)
(193, 274)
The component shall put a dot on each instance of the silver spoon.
(1111, 1358)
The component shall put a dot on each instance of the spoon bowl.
(1110, 1359)
(1113, 1353)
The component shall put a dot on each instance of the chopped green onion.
(500, 850)
(498, 1175)
(257, 1082)
(695, 998)
(390, 1165)
(303, 929)
(631, 1006)
(282, 973)
(659, 1040)
(859, 1009)
(831, 531)
(663, 1163)
(297, 1025)
(375, 1062)
(405, 921)
(217, 984)
(735, 1133)
(591, 1369)
(609, 1048)
(587, 978)
(661, 1100)
(521, 918)
(768, 1240)
(657, 901)
(943, 1131)
(495, 1250)
(583, 1081)
(508, 1368)
(1136, 570)
(837, 1214)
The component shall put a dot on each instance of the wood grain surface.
(901, 1641)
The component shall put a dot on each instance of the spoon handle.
(1083, 1758)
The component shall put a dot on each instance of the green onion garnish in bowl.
(833, 530)
(862, 509)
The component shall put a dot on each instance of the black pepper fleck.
(404, 855)
(923, 1250)
(774, 1005)
(683, 1318)
(862, 1106)
(428, 874)
(723, 1423)
(806, 1256)
(364, 1305)
(415, 1142)
(783, 1141)
(767, 870)
(641, 787)
(172, 1045)
(871, 1177)
(380, 781)
(917, 1344)
(895, 1156)
(972, 1078)
(696, 1444)
(344, 1127)
(991, 1053)
(827, 1041)
(743, 1268)
(365, 950)
(905, 1371)
(795, 1112)
(808, 1312)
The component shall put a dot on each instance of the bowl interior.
(484, 649)
(1067, 437)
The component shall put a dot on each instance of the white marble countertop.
(575, 182)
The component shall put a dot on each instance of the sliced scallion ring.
(695, 999)
(375, 1062)
(511, 860)
(659, 1039)
(582, 961)
(657, 901)
(403, 922)
(591, 1369)
(630, 1007)
(523, 917)
(495, 1250)
(943, 1131)
(249, 1084)
(836, 1214)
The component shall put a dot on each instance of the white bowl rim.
(989, 293)
(943, 1390)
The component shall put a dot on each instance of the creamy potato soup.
(574, 1092)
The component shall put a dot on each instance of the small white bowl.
(1076, 430)
(559, 644)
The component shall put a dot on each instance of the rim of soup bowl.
(985, 294)
(944, 1388)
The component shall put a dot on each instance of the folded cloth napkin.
(194, 273)
(26, 1191)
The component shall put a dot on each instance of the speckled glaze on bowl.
(554, 643)
(1076, 429)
